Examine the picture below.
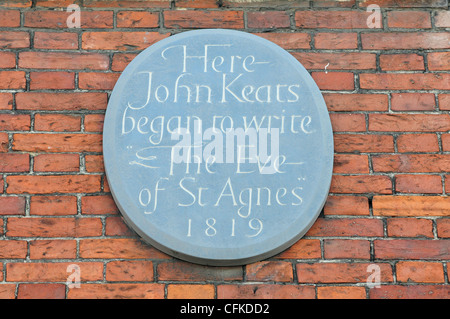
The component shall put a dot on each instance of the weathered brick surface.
(386, 86)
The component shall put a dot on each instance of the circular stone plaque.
(218, 147)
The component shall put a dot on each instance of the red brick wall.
(388, 93)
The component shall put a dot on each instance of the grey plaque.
(218, 147)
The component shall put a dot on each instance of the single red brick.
(57, 122)
(6, 101)
(115, 226)
(253, 4)
(438, 61)
(265, 291)
(409, 122)
(410, 205)
(99, 204)
(127, 3)
(16, 4)
(53, 205)
(418, 184)
(9, 18)
(121, 60)
(334, 81)
(14, 39)
(346, 248)
(12, 249)
(117, 290)
(7, 60)
(42, 142)
(13, 162)
(344, 122)
(404, 81)
(443, 228)
(12, 80)
(336, 41)
(341, 292)
(4, 142)
(333, 4)
(336, 61)
(57, 163)
(12, 205)
(15, 122)
(56, 3)
(302, 249)
(53, 249)
(445, 138)
(416, 271)
(279, 271)
(398, 62)
(118, 40)
(409, 19)
(189, 291)
(196, 4)
(346, 205)
(182, 271)
(63, 60)
(349, 143)
(444, 101)
(41, 291)
(97, 81)
(411, 163)
(58, 19)
(125, 248)
(404, 3)
(361, 184)
(332, 19)
(405, 40)
(129, 270)
(411, 249)
(51, 271)
(7, 291)
(442, 19)
(56, 40)
(340, 272)
(413, 102)
(73, 101)
(94, 163)
(409, 227)
(53, 227)
(351, 164)
(52, 80)
(137, 19)
(409, 292)
(94, 122)
(268, 19)
(356, 102)
(204, 19)
(417, 143)
(326, 227)
(43, 184)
